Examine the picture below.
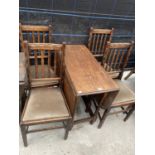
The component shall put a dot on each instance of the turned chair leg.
(68, 128)
(24, 135)
(103, 117)
(129, 113)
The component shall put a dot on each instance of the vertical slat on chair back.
(39, 57)
(35, 34)
(116, 56)
(98, 39)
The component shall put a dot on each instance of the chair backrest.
(98, 39)
(35, 34)
(116, 56)
(45, 62)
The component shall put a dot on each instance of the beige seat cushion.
(45, 103)
(125, 95)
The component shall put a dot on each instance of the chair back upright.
(116, 57)
(45, 62)
(98, 39)
(35, 34)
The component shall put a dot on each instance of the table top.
(22, 69)
(86, 74)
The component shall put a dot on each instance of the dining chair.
(116, 58)
(35, 34)
(46, 102)
(114, 61)
(98, 39)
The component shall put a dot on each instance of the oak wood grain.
(86, 74)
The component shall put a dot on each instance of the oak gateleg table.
(85, 77)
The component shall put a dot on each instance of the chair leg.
(24, 135)
(68, 128)
(120, 75)
(131, 72)
(103, 117)
(129, 113)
